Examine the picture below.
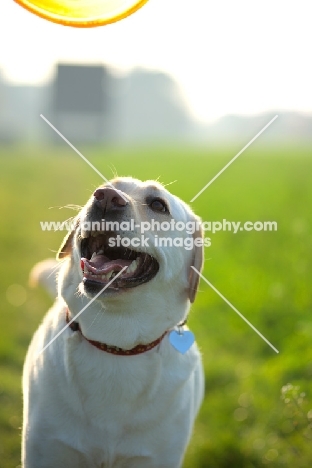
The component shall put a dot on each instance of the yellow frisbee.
(82, 13)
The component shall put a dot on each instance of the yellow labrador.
(121, 385)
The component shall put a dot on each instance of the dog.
(106, 383)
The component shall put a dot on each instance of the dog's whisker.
(170, 183)
(72, 207)
(69, 206)
(114, 170)
(55, 269)
(67, 224)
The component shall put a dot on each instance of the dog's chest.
(111, 388)
(112, 409)
(121, 403)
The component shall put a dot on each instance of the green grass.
(243, 422)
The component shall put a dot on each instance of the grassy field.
(250, 417)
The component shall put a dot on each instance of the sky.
(229, 57)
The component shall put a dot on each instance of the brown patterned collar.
(139, 349)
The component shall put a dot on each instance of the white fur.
(85, 408)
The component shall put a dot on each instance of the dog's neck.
(139, 349)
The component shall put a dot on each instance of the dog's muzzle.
(100, 261)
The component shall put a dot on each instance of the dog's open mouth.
(100, 263)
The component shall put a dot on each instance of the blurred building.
(80, 103)
(91, 104)
(149, 107)
(20, 109)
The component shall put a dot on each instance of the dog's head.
(139, 227)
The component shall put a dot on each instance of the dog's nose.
(108, 198)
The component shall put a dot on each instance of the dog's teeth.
(100, 252)
(107, 276)
(132, 267)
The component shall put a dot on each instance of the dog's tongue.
(99, 261)
(101, 264)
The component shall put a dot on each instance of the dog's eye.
(158, 205)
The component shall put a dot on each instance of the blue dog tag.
(181, 341)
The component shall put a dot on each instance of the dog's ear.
(67, 244)
(197, 262)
